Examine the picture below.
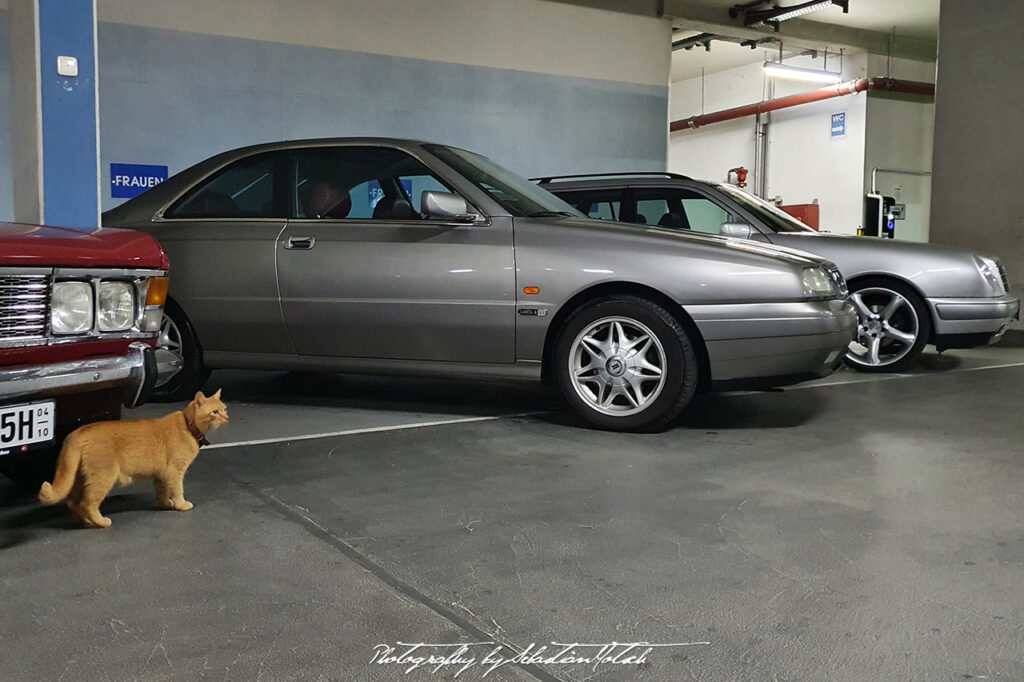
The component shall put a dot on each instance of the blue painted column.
(55, 136)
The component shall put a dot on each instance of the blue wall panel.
(69, 113)
(175, 98)
(6, 162)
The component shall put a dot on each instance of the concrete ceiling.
(907, 28)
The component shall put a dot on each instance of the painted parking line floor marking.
(372, 429)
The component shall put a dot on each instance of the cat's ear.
(216, 395)
(198, 400)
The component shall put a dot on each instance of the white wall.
(900, 132)
(709, 153)
(805, 163)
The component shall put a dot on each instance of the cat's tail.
(64, 479)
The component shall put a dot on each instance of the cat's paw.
(184, 505)
(101, 522)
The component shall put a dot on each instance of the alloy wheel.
(887, 330)
(617, 366)
(169, 352)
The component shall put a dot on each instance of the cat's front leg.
(176, 489)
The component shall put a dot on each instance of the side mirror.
(737, 230)
(446, 206)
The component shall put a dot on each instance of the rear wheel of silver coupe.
(179, 358)
(893, 326)
(625, 363)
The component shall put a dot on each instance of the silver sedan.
(906, 294)
(402, 257)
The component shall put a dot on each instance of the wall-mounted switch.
(67, 66)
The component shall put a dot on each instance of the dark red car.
(79, 317)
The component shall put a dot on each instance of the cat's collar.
(196, 433)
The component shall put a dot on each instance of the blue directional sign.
(376, 193)
(839, 124)
(128, 180)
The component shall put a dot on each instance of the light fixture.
(777, 70)
(773, 16)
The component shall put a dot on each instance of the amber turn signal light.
(156, 294)
(531, 290)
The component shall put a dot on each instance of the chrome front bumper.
(134, 371)
(974, 315)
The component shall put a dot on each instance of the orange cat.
(97, 456)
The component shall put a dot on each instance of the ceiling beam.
(696, 16)
(700, 17)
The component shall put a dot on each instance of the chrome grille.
(24, 300)
(1002, 276)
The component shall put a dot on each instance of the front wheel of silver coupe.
(893, 326)
(625, 363)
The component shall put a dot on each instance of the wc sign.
(129, 180)
(839, 124)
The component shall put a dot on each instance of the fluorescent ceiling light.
(801, 10)
(777, 70)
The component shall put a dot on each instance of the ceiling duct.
(771, 16)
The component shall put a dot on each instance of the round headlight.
(116, 306)
(71, 308)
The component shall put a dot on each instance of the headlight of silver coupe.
(116, 310)
(71, 308)
(989, 269)
(817, 282)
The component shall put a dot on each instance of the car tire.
(178, 338)
(893, 325)
(625, 363)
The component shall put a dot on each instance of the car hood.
(935, 270)
(817, 241)
(653, 233)
(45, 246)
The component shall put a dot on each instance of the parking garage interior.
(364, 522)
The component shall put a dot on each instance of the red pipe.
(860, 85)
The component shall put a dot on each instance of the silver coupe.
(403, 257)
(906, 294)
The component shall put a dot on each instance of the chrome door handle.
(304, 243)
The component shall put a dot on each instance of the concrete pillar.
(55, 136)
(979, 139)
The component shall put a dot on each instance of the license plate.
(24, 425)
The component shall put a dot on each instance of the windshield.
(770, 214)
(517, 195)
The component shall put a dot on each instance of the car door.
(221, 237)
(363, 274)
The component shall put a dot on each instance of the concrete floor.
(859, 528)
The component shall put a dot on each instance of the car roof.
(615, 180)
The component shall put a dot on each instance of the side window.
(359, 183)
(602, 204)
(705, 216)
(243, 190)
(682, 209)
(652, 210)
